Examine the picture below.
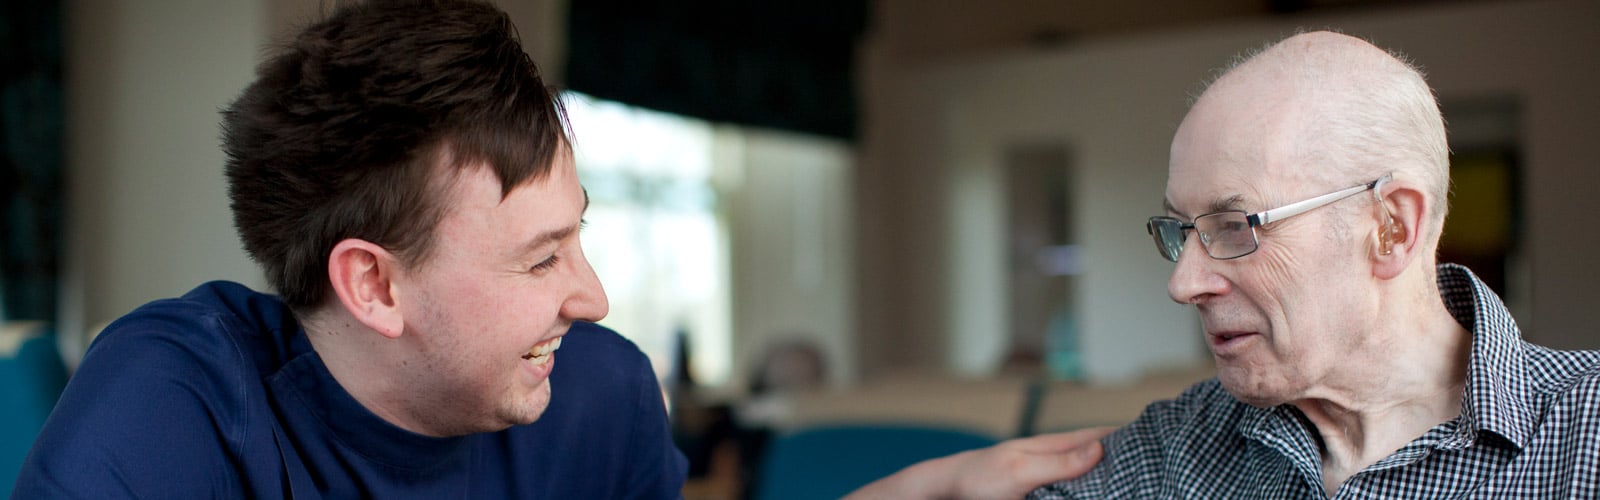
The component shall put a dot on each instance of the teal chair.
(829, 462)
(31, 379)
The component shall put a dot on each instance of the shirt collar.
(1496, 385)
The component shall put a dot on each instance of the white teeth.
(540, 354)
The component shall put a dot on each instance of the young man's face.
(506, 279)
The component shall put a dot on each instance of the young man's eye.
(547, 265)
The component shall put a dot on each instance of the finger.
(1040, 470)
(1063, 441)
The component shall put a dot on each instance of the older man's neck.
(1415, 381)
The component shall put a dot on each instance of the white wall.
(936, 135)
(147, 208)
(789, 209)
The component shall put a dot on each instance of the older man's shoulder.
(1208, 395)
(1558, 374)
(1579, 384)
(1206, 402)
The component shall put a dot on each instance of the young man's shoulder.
(218, 322)
(596, 364)
(606, 420)
(175, 378)
(595, 341)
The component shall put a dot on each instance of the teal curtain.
(31, 194)
(785, 64)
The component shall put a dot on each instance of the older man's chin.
(1248, 389)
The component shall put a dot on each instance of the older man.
(1350, 365)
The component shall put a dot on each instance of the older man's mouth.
(1230, 342)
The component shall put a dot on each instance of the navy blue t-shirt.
(218, 394)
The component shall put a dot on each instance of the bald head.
(1327, 109)
(1313, 84)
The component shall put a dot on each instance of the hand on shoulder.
(1008, 470)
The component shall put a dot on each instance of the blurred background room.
(896, 224)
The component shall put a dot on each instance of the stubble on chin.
(530, 409)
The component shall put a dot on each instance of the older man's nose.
(1193, 280)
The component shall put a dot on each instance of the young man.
(401, 172)
(1305, 198)
(403, 175)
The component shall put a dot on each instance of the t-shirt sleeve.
(147, 414)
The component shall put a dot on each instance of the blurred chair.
(830, 461)
(31, 379)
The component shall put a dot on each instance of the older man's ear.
(1396, 238)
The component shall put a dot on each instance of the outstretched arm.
(1008, 470)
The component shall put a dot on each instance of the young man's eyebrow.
(546, 237)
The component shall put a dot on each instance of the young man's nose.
(588, 301)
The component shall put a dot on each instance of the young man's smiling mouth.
(542, 352)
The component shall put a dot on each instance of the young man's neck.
(355, 355)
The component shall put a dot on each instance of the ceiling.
(931, 29)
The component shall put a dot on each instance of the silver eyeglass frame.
(1163, 245)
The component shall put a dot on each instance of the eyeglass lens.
(1224, 235)
(1168, 235)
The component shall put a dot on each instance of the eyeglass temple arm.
(1300, 207)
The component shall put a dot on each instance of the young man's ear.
(1401, 212)
(362, 274)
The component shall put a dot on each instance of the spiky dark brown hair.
(346, 132)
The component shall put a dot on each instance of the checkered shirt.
(1529, 428)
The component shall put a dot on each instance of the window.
(653, 234)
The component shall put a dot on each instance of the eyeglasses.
(1231, 234)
